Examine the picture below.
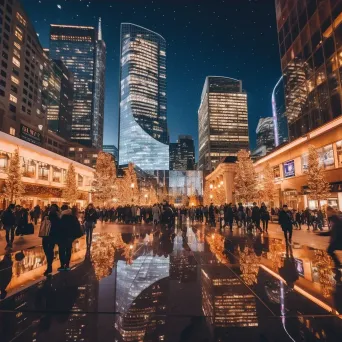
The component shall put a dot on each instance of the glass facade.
(113, 150)
(99, 95)
(143, 136)
(222, 120)
(310, 40)
(185, 183)
(281, 133)
(182, 153)
(265, 133)
(76, 47)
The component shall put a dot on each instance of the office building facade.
(310, 40)
(182, 153)
(265, 133)
(76, 47)
(143, 136)
(281, 132)
(21, 64)
(113, 150)
(222, 121)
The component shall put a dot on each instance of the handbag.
(45, 227)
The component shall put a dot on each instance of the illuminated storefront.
(143, 137)
(43, 173)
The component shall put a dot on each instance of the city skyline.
(189, 60)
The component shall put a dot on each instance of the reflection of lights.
(211, 196)
(221, 182)
(324, 264)
(130, 246)
(211, 186)
(132, 185)
(249, 265)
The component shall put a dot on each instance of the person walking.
(8, 220)
(90, 219)
(256, 216)
(228, 216)
(49, 232)
(298, 220)
(36, 213)
(212, 215)
(336, 243)
(265, 217)
(155, 214)
(69, 230)
(285, 222)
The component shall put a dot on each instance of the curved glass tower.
(143, 137)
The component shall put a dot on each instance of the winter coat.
(90, 215)
(69, 226)
(285, 220)
(155, 213)
(8, 218)
(336, 232)
(255, 213)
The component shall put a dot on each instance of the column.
(228, 182)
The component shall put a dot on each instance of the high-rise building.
(21, 64)
(57, 96)
(222, 121)
(281, 132)
(143, 136)
(99, 95)
(113, 150)
(182, 153)
(265, 133)
(82, 51)
(310, 37)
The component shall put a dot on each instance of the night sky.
(234, 38)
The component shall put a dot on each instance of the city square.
(170, 171)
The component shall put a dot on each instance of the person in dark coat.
(285, 222)
(90, 219)
(256, 216)
(336, 243)
(37, 212)
(49, 242)
(8, 220)
(212, 215)
(68, 231)
(228, 216)
(6, 274)
(265, 217)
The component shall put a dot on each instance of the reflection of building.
(183, 267)
(182, 153)
(83, 53)
(222, 121)
(22, 61)
(143, 136)
(309, 37)
(265, 133)
(281, 134)
(227, 302)
(113, 150)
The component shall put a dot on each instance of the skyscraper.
(21, 64)
(82, 52)
(99, 95)
(143, 136)
(265, 133)
(222, 121)
(281, 132)
(182, 153)
(310, 37)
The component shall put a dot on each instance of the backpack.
(45, 227)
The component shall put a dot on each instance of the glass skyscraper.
(82, 52)
(222, 121)
(281, 133)
(182, 153)
(310, 41)
(265, 133)
(143, 136)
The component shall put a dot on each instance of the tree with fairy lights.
(128, 188)
(14, 185)
(104, 178)
(319, 188)
(245, 178)
(268, 186)
(70, 191)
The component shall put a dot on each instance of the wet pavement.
(193, 284)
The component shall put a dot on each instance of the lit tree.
(268, 191)
(104, 178)
(14, 185)
(129, 188)
(318, 186)
(70, 193)
(245, 178)
(219, 195)
(152, 195)
(206, 194)
(165, 194)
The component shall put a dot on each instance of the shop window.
(12, 131)
(276, 172)
(326, 156)
(43, 171)
(57, 175)
(4, 161)
(29, 168)
(80, 180)
(339, 152)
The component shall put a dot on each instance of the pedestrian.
(228, 216)
(69, 230)
(90, 219)
(156, 214)
(256, 216)
(335, 243)
(265, 217)
(298, 220)
(285, 222)
(36, 212)
(49, 232)
(212, 215)
(330, 212)
(8, 219)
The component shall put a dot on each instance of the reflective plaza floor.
(193, 284)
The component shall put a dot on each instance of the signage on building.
(289, 169)
(30, 135)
